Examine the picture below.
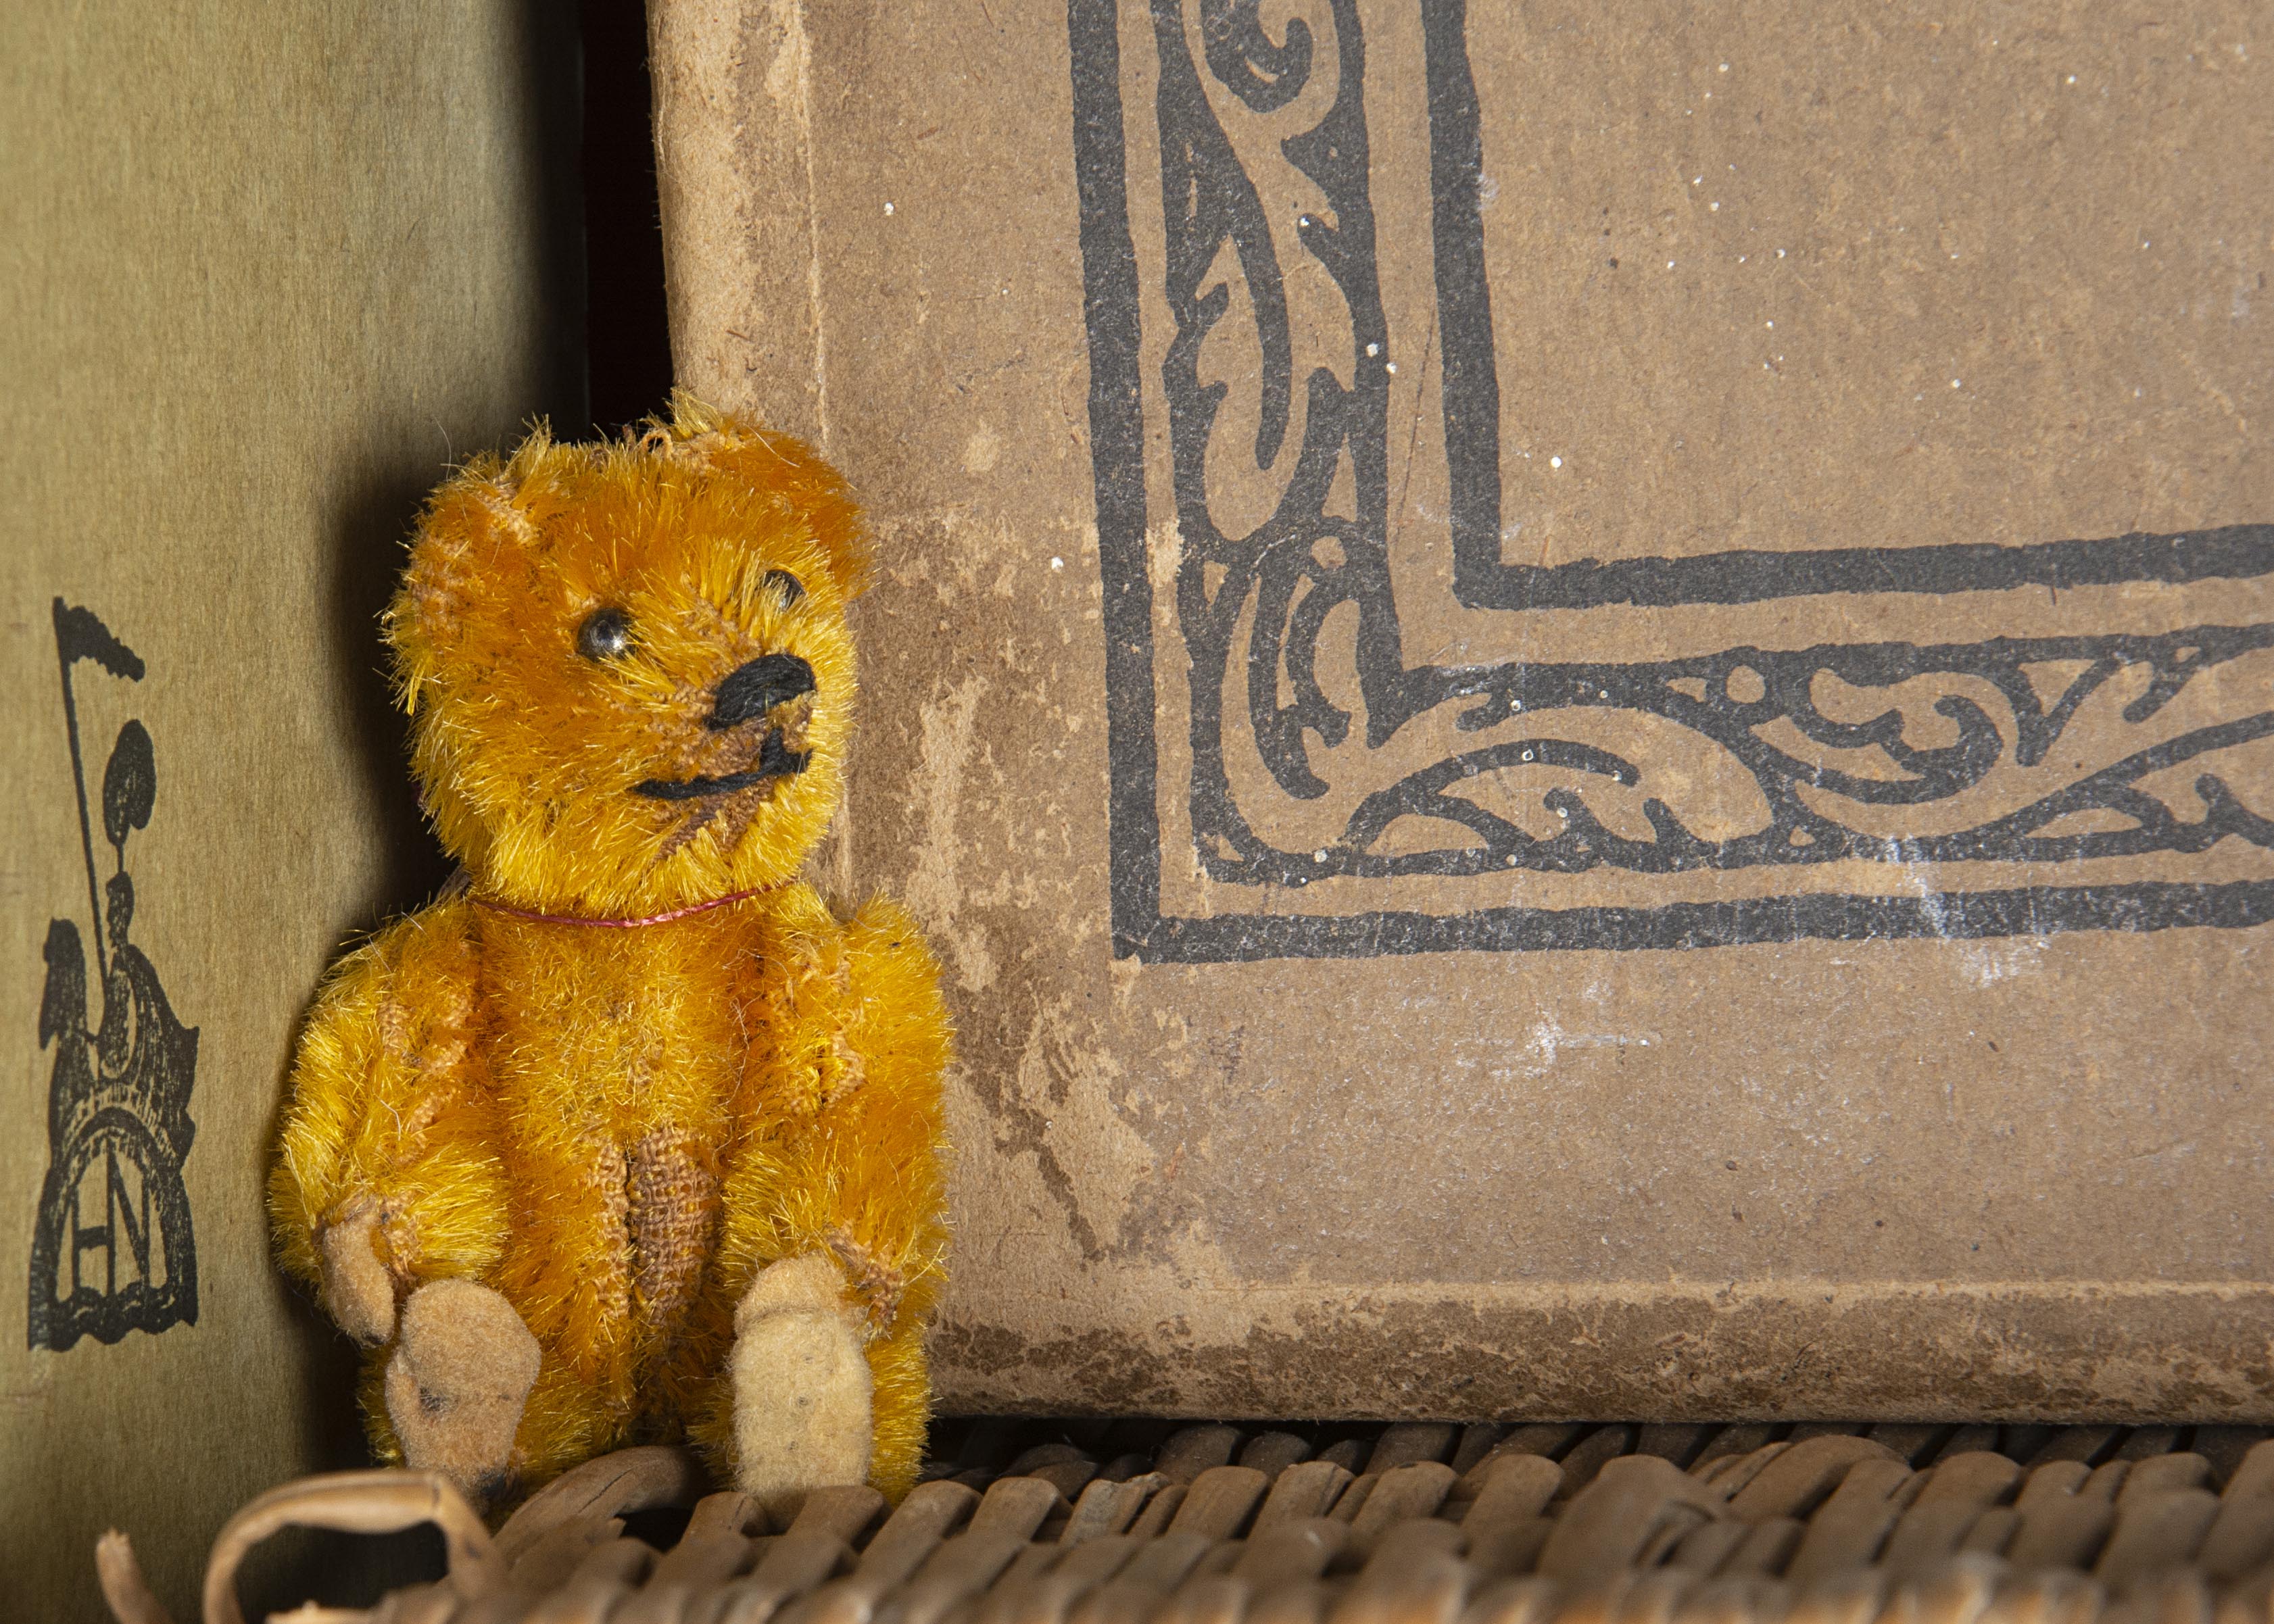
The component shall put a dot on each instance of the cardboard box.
(262, 277)
(1579, 692)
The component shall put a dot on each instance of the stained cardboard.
(263, 275)
(1579, 692)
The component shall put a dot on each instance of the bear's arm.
(860, 1179)
(391, 1126)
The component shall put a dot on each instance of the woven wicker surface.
(1450, 1525)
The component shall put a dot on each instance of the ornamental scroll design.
(1252, 601)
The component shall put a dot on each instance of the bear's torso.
(635, 1070)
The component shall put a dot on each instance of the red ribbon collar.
(630, 924)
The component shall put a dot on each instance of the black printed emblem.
(113, 1250)
(1298, 769)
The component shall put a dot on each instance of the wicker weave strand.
(1831, 1528)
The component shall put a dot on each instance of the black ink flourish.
(113, 1250)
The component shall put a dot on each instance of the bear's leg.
(903, 1407)
(567, 1422)
(463, 1368)
(802, 1391)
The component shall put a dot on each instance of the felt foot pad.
(463, 1368)
(801, 1386)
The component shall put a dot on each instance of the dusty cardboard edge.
(730, 90)
(2041, 1351)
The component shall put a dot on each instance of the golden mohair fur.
(617, 1129)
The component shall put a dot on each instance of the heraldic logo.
(113, 1250)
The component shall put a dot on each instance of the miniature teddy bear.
(631, 1139)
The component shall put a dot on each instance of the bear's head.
(626, 664)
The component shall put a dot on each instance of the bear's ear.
(474, 526)
(766, 464)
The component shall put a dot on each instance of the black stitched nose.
(751, 690)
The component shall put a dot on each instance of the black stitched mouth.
(776, 760)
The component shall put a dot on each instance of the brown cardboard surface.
(1684, 835)
(262, 274)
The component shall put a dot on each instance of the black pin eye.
(789, 586)
(607, 634)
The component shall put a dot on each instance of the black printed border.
(1111, 304)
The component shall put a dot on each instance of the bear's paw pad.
(463, 1368)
